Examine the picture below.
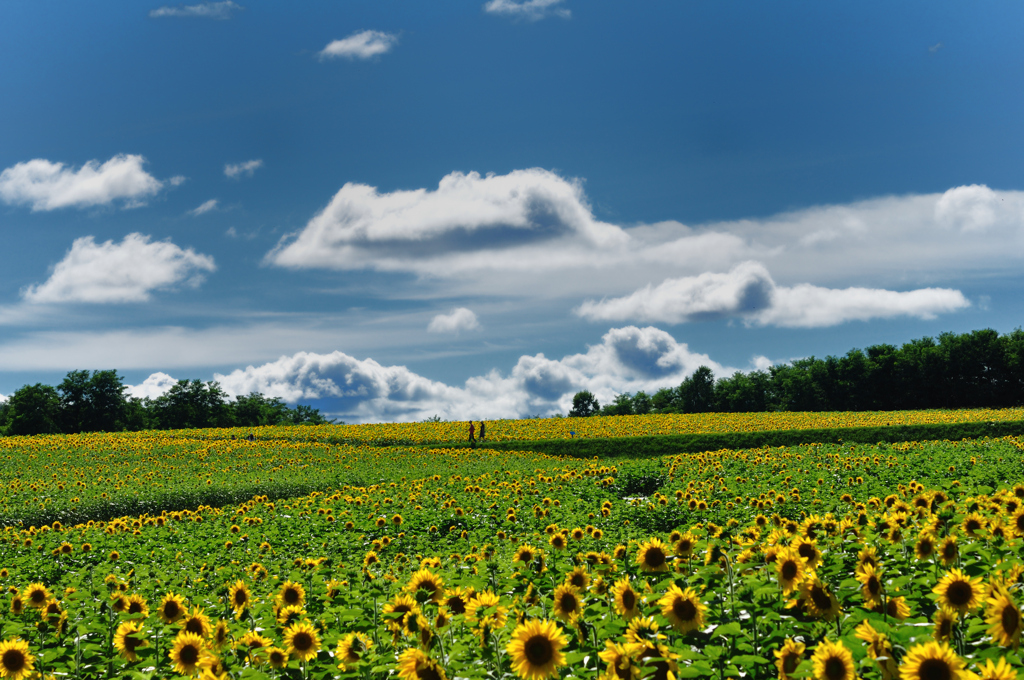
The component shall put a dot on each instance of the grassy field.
(164, 554)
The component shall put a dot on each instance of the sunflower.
(1017, 522)
(996, 671)
(1003, 615)
(871, 585)
(292, 594)
(398, 609)
(578, 578)
(895, 607)
(567, 602)
(832, 661)
(621, 660)
(959, 591)
(302, 641)
(290, 614)
(974, 524)
(808, 550)
(239, 597)
(525, 554)
(415, 664)
(644, 630)
(128, 638)
(658, 661)
(536, 649)
(652, 555)
(627, 601)
(867, 555)
(879, 649)
(36, 596)
(819, 600)
(255, 645)
(171, 608)
(684, 546)
(457, 598)
(557, 541)
(196, 621)
(221, 634)
(790, 568)
(351, 649)
(16, 661)
(186, 652)
(788, 658)
(932, 660)
(17, 605)
(480, 609)
(944, 619)
(277, 657)
(683, 609)
(427, 581)
(925, 546)
(137, 606)
(948, 550)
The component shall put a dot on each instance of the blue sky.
(475, 209)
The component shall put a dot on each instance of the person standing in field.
(482, 431)
(472, 432)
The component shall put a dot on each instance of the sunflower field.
(156, 555)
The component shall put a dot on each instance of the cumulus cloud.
(237, 170)
(119, 272)
(460, 319)
(48, 186)
(206, 10)
(748, 292)
(531, 10)
(466, 214)
(204, 208)
(152, 387)
(626, 360)
(533, 232)
(360, 45)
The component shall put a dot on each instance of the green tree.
(622, 405)
(584, 404)
(641, 403)
(34, 409)
(191, 403)
(697, 393)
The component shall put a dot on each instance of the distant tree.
(34, 409)
(584, 404)
(307, 415)
(697, 393)
(191, 403)
(622, 405)
(93, 403)
(641, 403)
(255, 409)
(664, 400)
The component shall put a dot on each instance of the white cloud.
(204, 208)
(360, 45)
(531, 10)
(533, 232)
(236, 170)
(49, 186)
(207, 10)
(152, 387)
(460, 319)
(748, 292)
(3, 399)
(119, 272)
(468, 213)
(627, 359)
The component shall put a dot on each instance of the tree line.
(968, 370)
(98, 402)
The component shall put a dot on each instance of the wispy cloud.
(237, 170)
(460, 319)
(45, 185)
(128, 271)
(207, 10)
(204, 208)
(531, 10)
(360, 45)
(747, 292)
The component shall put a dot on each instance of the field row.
(825, 560)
